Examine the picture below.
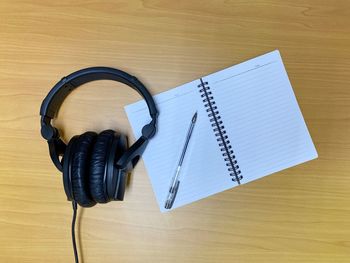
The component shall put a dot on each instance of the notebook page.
(261, 116)
(203, 172)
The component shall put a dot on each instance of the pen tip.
(194, 118)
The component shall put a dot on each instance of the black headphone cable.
(75, 209)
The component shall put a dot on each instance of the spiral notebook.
(249, 125)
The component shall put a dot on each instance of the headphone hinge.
(47, 131)
(149, 130)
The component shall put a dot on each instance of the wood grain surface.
(298, 215)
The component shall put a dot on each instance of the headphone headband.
(66, 85)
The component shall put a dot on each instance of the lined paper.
(261, 117)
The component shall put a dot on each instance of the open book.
(249, 125)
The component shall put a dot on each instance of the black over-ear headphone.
(94, 166)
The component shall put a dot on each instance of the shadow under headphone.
(94, 166)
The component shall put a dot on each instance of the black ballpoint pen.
(175, 182)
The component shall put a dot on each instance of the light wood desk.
(298, 215)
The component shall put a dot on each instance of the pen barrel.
(175, 178)
(188, 137)
(174, 188)
(175, 182)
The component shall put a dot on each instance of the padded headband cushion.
(80, 169)
(98, 165)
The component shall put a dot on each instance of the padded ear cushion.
(80, 169)
(100, 152)
(66, 160)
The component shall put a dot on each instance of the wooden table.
(298, 215)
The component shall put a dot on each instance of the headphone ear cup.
(80, 169)
(99, 158)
